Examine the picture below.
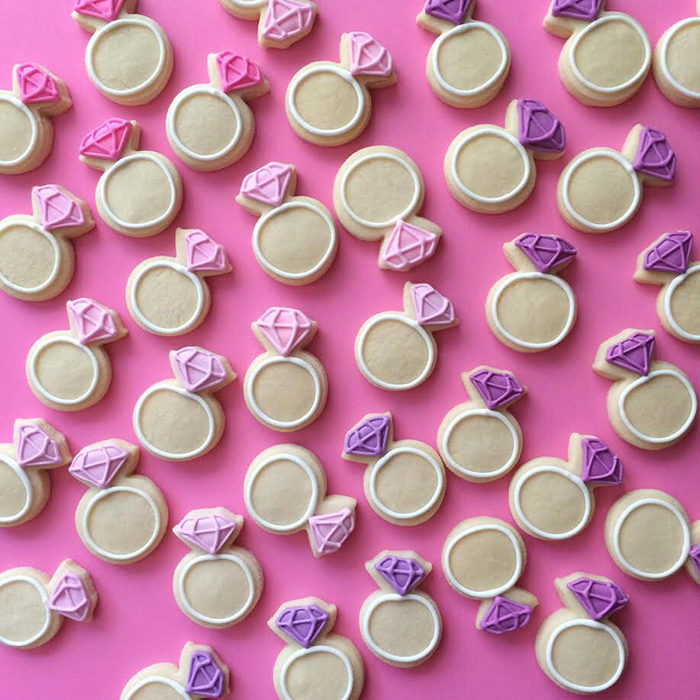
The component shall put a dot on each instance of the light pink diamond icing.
(92, 322)
(107, 141)
(330, 531)
(407, 246)
(368, 56)
(285, 19)
(97, 466)
(203, 254)
(268, 184)
(430, 307)
(69, 598)
(237, 72)
(198, 369)
(35, 84)
(102, 9)
(34, 448)
(57, 209)
(285, 328)
(208, 532)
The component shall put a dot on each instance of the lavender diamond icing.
(97, 466)
(497, 389)
(368, 438)
(600, 464)
(539, 129)
(577, 9)
(598, 598)
(209, 532)
(546, 252)
(204, 677)
(654, 155)
(451, 10)
(505, 615)
(402, 573)
(632, 353)
(695, 557)
(670, 254)
(302, 623)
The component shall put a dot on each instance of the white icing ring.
(285, 274)
(313, 500)
(54, 270)
(643, 380)
(249, 3)
(492, 593)
(181, 269)
(493, 131)
(675, 283)
(174, 685)
(394, 316)
(663, 58)
(320, 648)
(470, 472)
(165, 386)
(552, 469)
(575, 687)
(34, 136)
(44, 599)
(341, 73)
(610, 17)
(376, 467)
(636, 195)
(685, 549)
(29, 491)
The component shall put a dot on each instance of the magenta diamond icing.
(57, 209)
(107, 141)
(198, 369)
(670, 254)
(497, 389)
(368, 438)
(368, 56)
(632, 353)
(654, 155)
(69, 598)
(34, 448)
(92, 322)
(35, 84)
(430, 307)
(302, 623)
(505, 615)
(402, 573)
(545, 252)
(539, 129)
(451, 10)
(205, 678)
(97, 466)
(106, 10)
(329, 531)
(598, 598)
(577, 9)
(237, 72)
(203, 254)
(694, 555)
(208, 532)
(600, 464)
(267, 184)
(285, 19)
(285, 328)
(407, 246)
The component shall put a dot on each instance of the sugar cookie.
(552, 499)
(666, 262)
(377, 192)
(294, 240)
(285, 388)
(26, 131)
(33, 606)
(651, 404)
(211, 126)
(128, 58)
(395, 350)
(400, 625)
(69, 370)
(482, 559)
(329, 103)
(121, 518)
(490, 169)
(404, 480)
(179, 419)
(315, 663)
(533, 309)
(577, 646)
(480, 440)
(140, 192)
(469, 61)
(600, 189)
(217, 584)
(169, 296)
(285, 492)
(25, 485)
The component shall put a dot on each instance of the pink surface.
(137, 621)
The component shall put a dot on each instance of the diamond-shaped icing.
(57, 209)
(654, 155)
(285, 328)
(670, 254)
(368, 56)
(34, 448)
(35, 84)
(302, 623)
(93, 323)
(497, 389)
(545, 252)
(407, 246)
(268, 184)
(539, 129)
(600, 464)
(106, 141)
(106, 10)
(368, 438)
(204, 254)
(402, 573)
(430, 307)
(598, 598)
(330, 530)
(285, 19)
(451, 10)
(97, 466)
(237, 72)
(198, 369)
(632, 353)
(69, 598)
(577, 9)
(205, 678)
(208, 532)
(505, 615)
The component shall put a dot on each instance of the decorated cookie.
(329, 103)
(294, 240)
(199, 674)
(285, 388)
(651, 404)
(25, 485)
(601, 189)
(211, 126)
(533, 309)
(482, 559)
(469, 61)
(395, 350)
(577, 646)
(315, 663)
(128, 58)
(140, 192)
(490, 169)
(552, 499)
(404, 479)
(217, 584)
(480, 440)
(285, 492)
(179, 419)
(169, 296)
(281, 22)
(69, 370)
(122, 517)
(666, 262)
(377, 192)
(399, 624)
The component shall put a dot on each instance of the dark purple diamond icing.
(402, 573)
(204, 677)
(368, 438)
(505, 615)
(497, 389)
(695, 557)
(632, 353)
(577, 9)
(545, 252)
(600, 464)
(303, 623)
(655, 156)
(598, 598)
(670, 254)
(451, 10)
(539, 129)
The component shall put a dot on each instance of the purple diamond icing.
(505, 615)
(402, 573)
(694, 555)
(577, 9)
(368, 438)
(97, 466)
(451, 10)
(545, 252)
(69, 598)
(539, 129)
(600, 464)
(430, 307)
(204, 677)
(303, 623)
(654, 155)
(632, 353)
(670, 254)
(34, 448)
(198, 369)
(497, 389)
(598, 598)
(208, 532)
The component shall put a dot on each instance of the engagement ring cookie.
(170, 296)
(490, 169)
(122, 517)
(651, 404)
(469, 61)
(179, 419)
(285, 492)
(329, 104)
(217, 584)
(482, 559)
(128, 58)
(69, 370)
(315, 663)
(140, 192)
(211, 126)
(404, 480)
(33, 606)
(294, 240)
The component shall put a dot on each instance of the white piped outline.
(321, 648)
(674, 284)
(663, 57)
(29, 491)
(56, 255)
(174, 685)
(34, 136)
(44, 599)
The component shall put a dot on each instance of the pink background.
(137, 622)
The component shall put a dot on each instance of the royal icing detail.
(106, 10)
(205, 677)
(93, 322)
(454, 11)
(303, 623)
(57, 208)
(505, 615)
(369, 437)
(586, 10)
(287, 19)
(268, 184)
(546, 252)
(539, 129)
(407, 246)
(98, 466)
(35, 84)
(285, 328)
(654, 155)
(497, 389)
(598, 598)
(670, 254)
(430, 308)
(198, 369)
(69, 598)
(368, 56)
(209, 532)
(203, 254)
(237, 72)
(329, 531)
(403, 574)
(35, 448)
(108, 140)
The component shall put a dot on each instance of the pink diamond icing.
(368, 56)
(285, 19)
(430, 307)
(407, 246)
(237, 72)
(268, 184)
(69, 598)
(92, 322)
(35, 84)
(329, 531)
(285, 328)
(102, 9)
(204, 254)
(107, 141)
(97, 466)
(198, 369)
(208, 532)
(57, 209)
(34, 448)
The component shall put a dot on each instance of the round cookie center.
(28, 260)
(65, 371)
(682, 60)
(15, 493)
(17, 131)
(684, 303)
(319, 673)
(23, 611)
(403, 628)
